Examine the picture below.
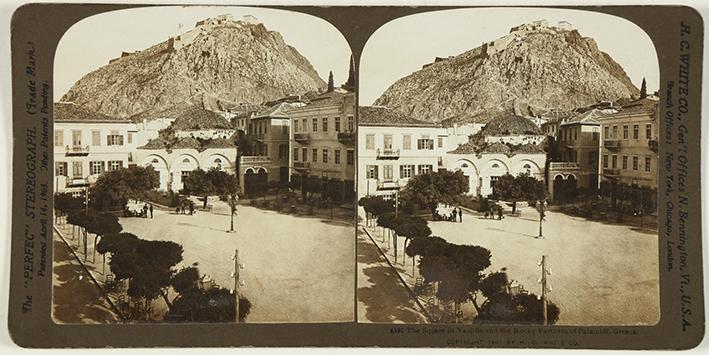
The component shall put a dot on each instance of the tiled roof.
(639, 106)
(466, 148)
(199, 118)
(529, 149)
(510, 124)
(382, 116)
(588, 117)
(187, 143)
(170, 112)
(496, 148)
(276, 111)
(217, 143)
(155, 143)
(69, 111)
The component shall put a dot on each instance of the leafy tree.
(330, 83)
(101, 225)
(519, 188)
(386, 221)
(146, 264)
(365, 203)
(82, 220)
(114, 188)
(409, 228)
(65, 202)
(213, 182)
(195, 304)
(643, 89)
(503, 307)
(428, 190)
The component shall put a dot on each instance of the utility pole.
(237, 283)
(545, 287)
(396, 215)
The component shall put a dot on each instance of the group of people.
(455, 215)
(491, 213)
(134, 210)
(185, 207)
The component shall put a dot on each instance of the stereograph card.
(356, 176)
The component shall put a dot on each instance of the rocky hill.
(218, 63)
(532, 69)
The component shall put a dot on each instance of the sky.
(93, 41)
(402, 46)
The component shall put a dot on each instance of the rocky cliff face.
(528, 71)
(211, 66)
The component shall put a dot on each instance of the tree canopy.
(211, 182)
(429, 190)
(65, 202)
(519, 188)
(114, 188)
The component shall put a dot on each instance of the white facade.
(149, 129)
(85, 149)
(484, 169)
(172, 165)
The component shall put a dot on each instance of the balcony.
(346, 138)
(77, 151)
(255, 159)
(388, 153)
(612, 144)
(301, 165)
(77, 182)
(387, 185)
(301, 137)
(611, 172)
(564, 166)
(653, 145)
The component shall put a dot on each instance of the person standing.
(151, 210)
(455, 215)
(460, 215)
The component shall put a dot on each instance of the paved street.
(296, 269)
(381, 297)
(601, 273)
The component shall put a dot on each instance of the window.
(615, 132)
(324, 124)
(337, 124)
(635, 163)
(58, 138)
(648, 164)
(407, 142)
(606, 130)
(350, 123)
(184, 174)
(440, 142)
(425, 143)
(625, 131)
(425, 168)
(324, 155)
(77, 169)
(369, 144)
(295, 154)
(372, 172)
(388, 141)
(265, 127)
(130, 137)
(315, 155)
(315, 124)
(388, 172)
(605, 161)
(95, 138)
(117, 164)
(406, 171)
(114, 139)
(155, 161)
(76, 138)
(60, 169)
(636, 131)
(295, 126)
(614, 162)
(592, 159)
(648, 131)
(350, 157)
(625, 162)
(337, 156)
(284, 126)
(576, 131)
(96, 167)
(305, 154)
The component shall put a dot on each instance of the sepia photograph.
(204, 164)
(508, 170)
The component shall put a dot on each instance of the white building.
(392, 148)
(87, 144)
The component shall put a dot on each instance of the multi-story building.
(629, 153)
(393, 147)
(322, 145)
(86, 144)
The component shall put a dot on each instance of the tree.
(114, 188)
(213, 182)
(101, 225)
(65, 203)
(643, 89)
(81, 219)
(146, 264)
(330, 83)
(386, 221)
(519, 188)
(428, 190)
(195, 304)
(409, 228)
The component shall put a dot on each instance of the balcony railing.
(301, 165)
(653, 145)
(77, 150)
(387, 184)
(301, 137)
(611, 172)
(388, 153)
(613, 144)
(346, 137)
(253, 159)
(564, 166)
